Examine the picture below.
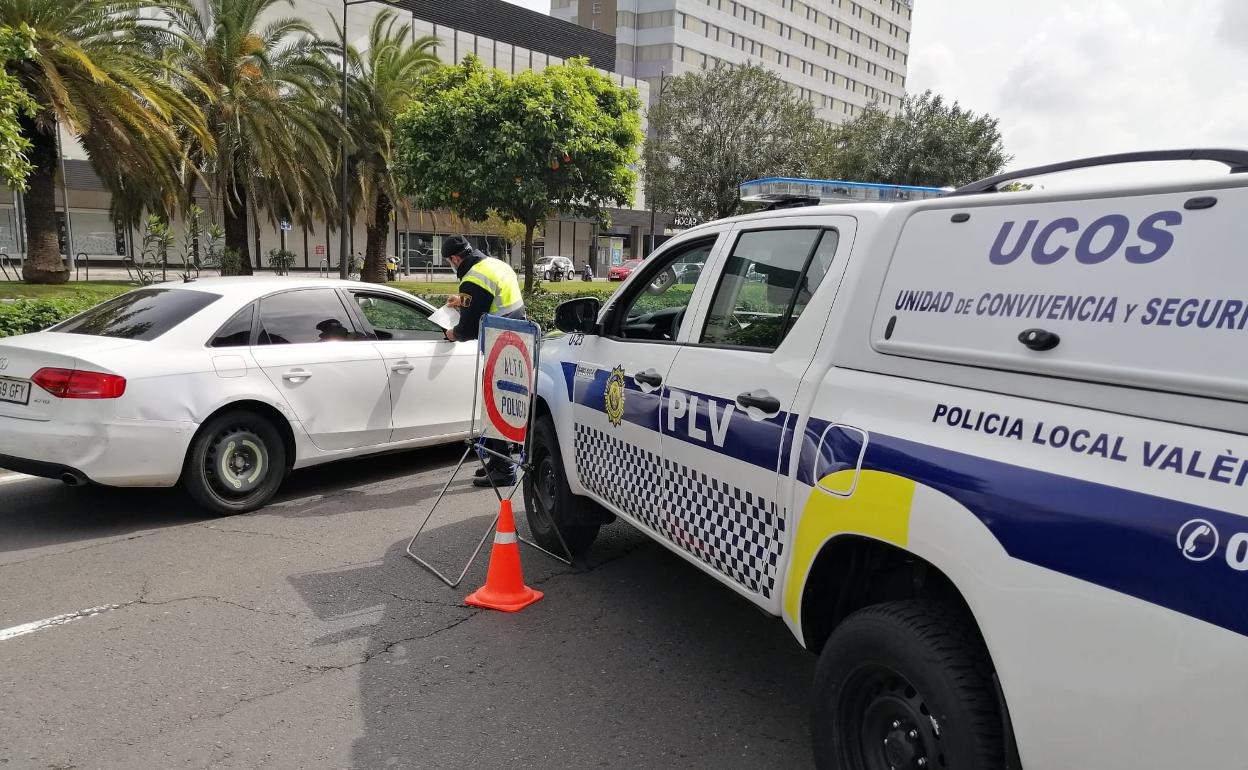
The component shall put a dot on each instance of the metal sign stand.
(474, 444)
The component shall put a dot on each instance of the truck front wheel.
(906, 685)
(547, 498)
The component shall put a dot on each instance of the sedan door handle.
(402, 367)
(296, 375)
(760, 400)
(649, 377)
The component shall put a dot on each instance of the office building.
(840, 55)
(502, 35)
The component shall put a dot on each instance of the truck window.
(655, 307)
(766, 284)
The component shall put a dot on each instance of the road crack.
(275, 536)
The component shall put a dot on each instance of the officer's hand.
(454, 301)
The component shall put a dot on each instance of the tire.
(547, 496)
(235, 464)
(905, 680)
(546, 276)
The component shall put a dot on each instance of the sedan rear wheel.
(236, 463)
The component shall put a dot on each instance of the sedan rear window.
(144, 314)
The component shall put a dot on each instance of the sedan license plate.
(14, 391)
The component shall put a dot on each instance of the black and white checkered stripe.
(735, 531)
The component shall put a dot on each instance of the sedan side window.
(393, 319)
(766, 284)
(305, 315)
(655, 309)
(237, 331)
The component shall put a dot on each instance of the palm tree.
(382, 81)
(94, 75)
(262, 91)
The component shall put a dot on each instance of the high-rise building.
(840, 55)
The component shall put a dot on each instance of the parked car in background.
(224, 385)
(554, 268)
(622, 271)
(688, 272)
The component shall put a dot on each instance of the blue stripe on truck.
(1116, 538)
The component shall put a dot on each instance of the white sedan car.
(546, 265)
(227, 384)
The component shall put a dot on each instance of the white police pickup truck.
(985, 453)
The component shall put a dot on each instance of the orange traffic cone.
(504, 587)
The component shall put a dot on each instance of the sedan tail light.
(74, 383)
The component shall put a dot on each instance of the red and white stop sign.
(507, 386)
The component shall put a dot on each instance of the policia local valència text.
(1216, 466)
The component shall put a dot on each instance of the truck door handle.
(649, 377)
(402, 367)
(1039, 339)
(296, 375)
(760, 400)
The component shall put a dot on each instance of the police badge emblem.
(613, 396)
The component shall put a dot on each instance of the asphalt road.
(300, 636)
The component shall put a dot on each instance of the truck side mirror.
(578, 315)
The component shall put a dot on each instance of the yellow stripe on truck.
(879, 507)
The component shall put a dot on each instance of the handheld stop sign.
(507, 377)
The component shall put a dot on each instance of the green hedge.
(31, 315)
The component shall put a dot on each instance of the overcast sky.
(1069, 78)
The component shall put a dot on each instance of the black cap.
(455, 246)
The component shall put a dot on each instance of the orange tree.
(476, 140)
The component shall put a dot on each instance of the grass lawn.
(95, 290)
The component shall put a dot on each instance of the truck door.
(617, 383)
(727, 426)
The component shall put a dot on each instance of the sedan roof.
(248, 287)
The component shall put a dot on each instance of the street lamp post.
(345, 237)
(663, 78)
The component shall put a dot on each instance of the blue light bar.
(775, 189)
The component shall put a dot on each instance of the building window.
(596, 8)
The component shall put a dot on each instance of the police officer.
(486, 285)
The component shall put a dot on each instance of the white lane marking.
(58, 620)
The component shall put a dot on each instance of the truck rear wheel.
(906, 685)
(548, 498)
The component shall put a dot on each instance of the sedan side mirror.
(578, 315)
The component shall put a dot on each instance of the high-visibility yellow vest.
(497, 277)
